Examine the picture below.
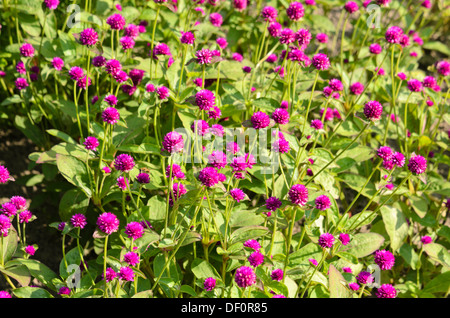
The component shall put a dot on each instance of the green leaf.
(9, 246)
(363, 244)
(18, 272)
(74, 171)
(395, 224)
(439, 284)
(337, 284)
(438, 253)
(248, 232)
(39, 271)
(72, 202)
(437, 46)
(301, 256)
(61, 135)
(203, 269)
(31, 292)
(30, 130)
(409, 255)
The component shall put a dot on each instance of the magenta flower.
(58, 63)
(269, 13)
(353, 286)
(344, 238)
(375, 48)
(110, 274)
(88, 37)
(351, 7)
(426, 239)
(256, 258)
(162, 92)
(303, 37)
(173, 142)
(245, 277)
(127, 42)
(365, 278)
(394, 34)
(78, 220)
(5, 224)
(111, 115)
(277, 274)
(443, 68)
(91, 143)
(373, 110)
(99, 61)
(313, 262)
(357, 88)
(187, 38)
(30, 250)
(25, 216)
(323, 202)
(384, 152)
(201, 127)
(113, 66)
(287, 36)
(205, 99)
(4, 174)
(316, 124)
(386, 291)
(298, 194)
(27, 50)
(326, 240)
(8, 209)
(384, 259)
(260, 120)
(134, 230)
(122, 183)
(177, 173)
(178, 189)
(209, 284)
(322, 38)
(280, 116)
(216, 19)
(274, 29)
(281, 145)
(51, 4)
(253, 244)
(273, 203)
(116, 21)
(203, 56)
(414, 85)
(295, 11)
(143, 178)
(124, 163)
(209, 176)
(64, 291)
(21, 83)
(126, 273)
(417, 164)
(131, 258)
(237, 194)
(240, 5)
(108, 223)
(320, 61)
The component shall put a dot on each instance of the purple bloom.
(113, 66)
(253, 244)
(134, 230)
(116, 21)
(110, 274)
(375, 48)
(25, 216)
(187, 38)
(256, 258)
(313, 262)
(353, 286)
(122, 183)
(269, 13)
(245, 277)
(131, 258)
(27, 50)
(373, 110)
(127, 42)
(209, 176)
(143, 178)
(414, 85)
(30, 250)
(8, 209)
(51, 4)
(295, 11)
(205, 99)
(357, 88)
(260, 120)
(417, 164)
(216, 19)
(277, 274)
(111, 99)
(64, 291)
(237, 194)
(173, 142)
(201, 127)
(120, 76)
(287, 36)
(365, 278)
(323, 202)
(386, 291)
(316, 124)
(176, 172)
(58, 63)
(84, 82)
(274, 29)
(273, 203)
(280, 116)
(351, 7)
(347, 270)
(281, 145)
(394, 34)
(108, 223)
(111, 115)
(178, 189)
(426, 239)
(320, 61)
(203, 56)
(217, 159)
(78, 220)
(124, 163)
(209, 284)
(91, 143)
(21, 83)
(298, 194)
(5, 224)
(303, 37)
(76, 73)
(237, 57)
(326, 240)
(162, 92)
(344, 238)
(88, 37)
(385, 152)
(126, 273)
(384, 259)
(322, 38)
(443, 68)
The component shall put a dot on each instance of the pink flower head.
(317, 124)
(260, 120)
(303, 37)
(351, 7)
(108, 223)
(322, 38)
(173, 142)
(269, 13)
(245, 277)
(127, 42)
(30, 250)
(275, 29)
(417, 164)
(58, 63)
(357, 88)
(88, 37)
(394, 34)
(113, 66)
(216, 19)
(110, 274)
(353, 286)
(323, 202)
(240, 5)
(386, 291)
(277, 274)
(187, 38)
(426, 239)
(126, 273)
(280, 116)
(25, 216)
(443, 68)
(320, 61)
(344, 238)
(51, 4)
(111, 115)
(203, 56)
(298, 194)
(253, 244)
(162, 92)
(287, 36)
(124, 163)
(373, 110)
(375, 48)
(414, 85)
(384, 259)
(5, 224)
(78, 220)
(4, 174)
(326, 240)
(256, 258)
(27, 50)
(116, 21)
(295, 11)
(21, 83)
(134, 230)
(131, 258)
(209, 284)
(176, 172)
(209, 176)
(205, 99)
(313, 262)
(91, 143)
(365, 278)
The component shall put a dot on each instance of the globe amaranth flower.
(143, 178)
(253, 244)
(217, 159)
(78, 220)
(322, 38)
(365, 278)
(316, 124)
(375, 48)
(120, 77)
(134, 230)
(240, 5)
(116, 21)
(287, 36)
(127, 42)
(178, 189)
(126, 273)
(88, 37)
(19, 202)
(4, 174)
(280, 116)
(320, 61)
(357, 88)
(323, 202)
(384, 259)
(110, 275)
(414, 85)
(124, 163)
(386, 291)
(113, 66)
(351, 7)
(5, 224)
(275, 29)
(237, 57)
(214, 113)
(25, 216)
(27, 50)
(131, 258)
(344, 238)
(201, 127)
(426, 239)
(84, 82)
(91, 143)
(162, 92)
(417, 164)
(281, 145)
(64, 290)
(277, 274)
(21, 83)
(353, 286)
(394, 34)
(373, 110)
(187, 38)
(161, 49)
(108, 223)
(256, 258)
(30, 250)
(269, 13)
(51, 4)
(110, 115)
(245, 276)
(326, 240)
(298, 194)
(173, 142)
(203, 56)
(237, 194)
(273, 203)
(205, 99)
(385, 152)
(209, 176)
(122, 183)
(58, 63)
(295, 11)
(209, 283)
(175, 171)
(260, 120)
(216, 19)
(347, 270)
(76, 73)
(443, 68)
(5, 294)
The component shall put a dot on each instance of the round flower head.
(222, 43)
(173, 142)
(108, 223)
(320, 61)
(122, 183)
(237, 57)
(280, 116)
(277, 274)
(84, 82)
(351, 7)
(240, 5)
(245, 277)
(203, 56)
(27, 50)
(295, 11)
(384, 152)
(386, 291)
(99, 61)
(64, 291)
(205, 99)
(4, 174)
(414, 85)
(384, 259)
(4, 294)
(209, 284)
(113, 66)
(426, 239)
(443, 68)
(111, 115)
(247, 69)
(273, 203)
(209, 176)
(131, 258)
(269, 13)
(260, 120)
(256, 258)
(253, 244)
(347, 270)
(217, 159)
(126, 273)
(19, 202)
(214, 113)
(353, 286)
(303, 37)
(237, 194)
(111, 99)
(383, 2)
(298, 194)
(344, 238)
(51, 4)
(124, 163)
(322, 38)
(5, 224)
(216, 19)
(313, 262)
(120, 76)
(161, 49)
(357, 88)
(326, 240)
(394, 34)
(316, 124)
(78, 220)
(91, 143)
(323, 202)
(8, 209)
(365, 278)
(175, 170)
(25, 216)
(187, 38)
(287, 36)
(275, 29)
(58, 63)
(162, 92)
(398, 159)
(21, 83)
(76, 73)
(201, 127)
(88, 37)
(281, 145)
(30, 250)
(143, 178)
(134, 230)
(110, 274)
(373, 110)
(116, 21)
(417, 164)
(178, 189)
(127, 42)
(375, 48)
